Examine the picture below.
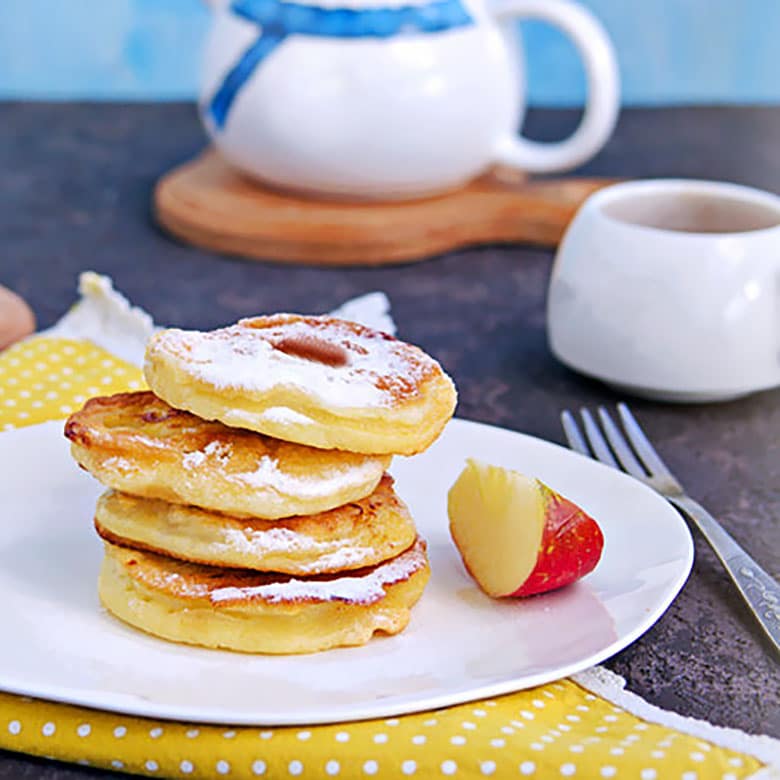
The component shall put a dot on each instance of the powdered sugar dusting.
(379, 371)
(328, 555)
(285, 416)
(175, 582)
(268, 475)
(117, 463)
(270, 540)
(192, 460)
(148, 441)
(219, 449)
(366, 589)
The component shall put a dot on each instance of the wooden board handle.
(206, 203)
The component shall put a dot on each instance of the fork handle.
(759, 590)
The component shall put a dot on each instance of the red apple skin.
(570, 548)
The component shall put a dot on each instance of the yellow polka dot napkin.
(48, 378)
(559, 730)
(586, 727)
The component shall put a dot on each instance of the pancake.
(136, 443)
(260, 613)
(318, 381)
(352, 536)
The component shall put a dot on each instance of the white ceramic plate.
(58, 643)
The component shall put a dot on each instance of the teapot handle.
(603, 102)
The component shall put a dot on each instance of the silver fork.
(640, 459)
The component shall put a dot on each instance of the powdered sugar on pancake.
(278, 415)
(176, 582)
(143, 440)
(268, 475)
(117, 463)
(192, 460)
(285, 416)
(326, 556)
(366, 589)
(254, 357)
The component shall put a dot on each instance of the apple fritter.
(138, 444)
(260, 613)
(319, 381)
(352, 536)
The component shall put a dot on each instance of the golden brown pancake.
(260, 613)
(137, 443)
(319, 381)
(361, 533)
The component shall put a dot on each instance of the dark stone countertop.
(75, 195)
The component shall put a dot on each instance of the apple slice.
(517, 537)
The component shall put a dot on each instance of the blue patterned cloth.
(279, 19)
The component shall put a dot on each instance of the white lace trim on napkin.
(612, 687)
(106, 318)
(371, 310)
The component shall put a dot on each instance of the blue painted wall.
(670, 51)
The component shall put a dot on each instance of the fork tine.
(620, 446)
(573, 434)
(641, 443)
(597, 442)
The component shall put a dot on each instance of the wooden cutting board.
(16, 318)
(206, 203)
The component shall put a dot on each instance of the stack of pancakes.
(248, 506)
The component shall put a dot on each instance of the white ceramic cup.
(670, 289)
(397, 115)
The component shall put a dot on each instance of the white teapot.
(388, 98)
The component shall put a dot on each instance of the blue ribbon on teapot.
(278, 19)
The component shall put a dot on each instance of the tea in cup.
(670, 289)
